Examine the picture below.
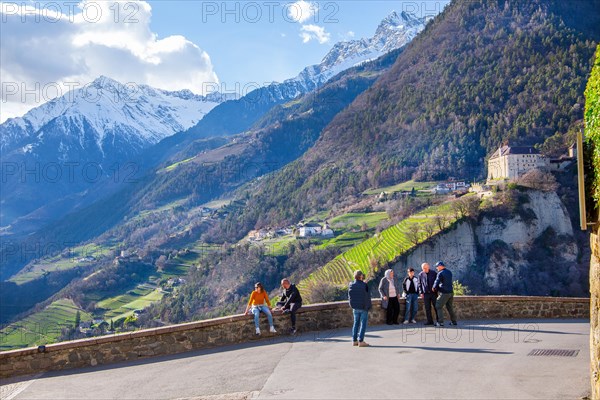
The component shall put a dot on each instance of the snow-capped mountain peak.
(139, 113)
(394, 31)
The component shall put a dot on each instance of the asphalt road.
(476, 360)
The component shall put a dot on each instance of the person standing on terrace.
(360, 301)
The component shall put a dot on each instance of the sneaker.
(272, 330)
(355, 343)
(363, 344)
(439, 324)
(293, 331)
(453, 323)
(257, 331)
(405, 322)
(413, 321)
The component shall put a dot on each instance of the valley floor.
(476, 360)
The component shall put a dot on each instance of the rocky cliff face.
(534, 254)
(457, 248)
(549, 212)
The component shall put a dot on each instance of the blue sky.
(267, 46)
(173, 45)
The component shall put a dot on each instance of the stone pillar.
(595, 312)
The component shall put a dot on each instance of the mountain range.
(480, 73)
(394, 31)
(107, 132)
(106, 110)
(67, 145)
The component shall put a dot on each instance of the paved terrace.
(476, 360)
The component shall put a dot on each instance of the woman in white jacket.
(390, 293)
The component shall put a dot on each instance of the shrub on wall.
(592, 123)
(325, 292)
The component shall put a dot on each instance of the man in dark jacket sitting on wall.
(290, 302)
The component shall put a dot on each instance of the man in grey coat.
(390, 294)
(360, 301)
(426, 281)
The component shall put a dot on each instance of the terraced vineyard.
(64, 261)
(42, 327)
(380, 249)
(123, 305)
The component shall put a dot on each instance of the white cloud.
(350, 34)
(310, 32)
(50, 47)
(301, 11)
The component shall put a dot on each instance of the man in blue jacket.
(360, 301)
(443, 286)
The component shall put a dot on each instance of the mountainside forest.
(482, 73)
(220, 206)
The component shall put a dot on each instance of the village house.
(564, 161)
(447, 187)
(283, 232)
(257, 235)
(327, 232)
(126, 256)
(312, 229)
(511, 162)
(205, 211)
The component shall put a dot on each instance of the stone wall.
(240, 328)
(595, 313)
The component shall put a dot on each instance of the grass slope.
(42, 327)
(62, 262)
(384, 247)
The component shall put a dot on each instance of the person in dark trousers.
(360, 301)
(443, 286)
(390, 293)
(290, 301)
(426, 280)
(410, 287)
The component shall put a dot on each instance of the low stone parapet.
(240, 328)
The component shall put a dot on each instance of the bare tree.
(373, 263)
(429, 228)
(472, 205)
(324, 292)
(440, 221)
(457, 209)
(467, 206)
(161, 262)
(539, 180)
(413, 233)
